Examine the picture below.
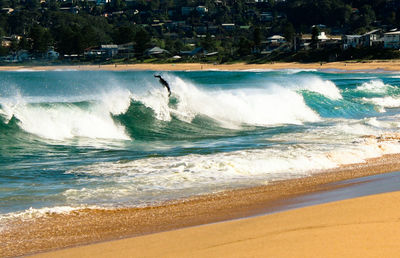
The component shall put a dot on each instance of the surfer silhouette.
(164, 83)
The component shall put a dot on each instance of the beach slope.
(361, 227)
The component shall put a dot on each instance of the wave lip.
(326, 88)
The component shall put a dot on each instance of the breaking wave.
(124, 115)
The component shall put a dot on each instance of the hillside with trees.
(188, 30)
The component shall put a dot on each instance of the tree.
(314, 37)
(288, 31)
(367, 15)
(2, 34)
(118, 5)
(154, 4)
(41, 39)
(142, 40)
(244, 47)
(4, 4)
(208, 43)
(123, 34)
(32, 4)
(53, 5)
(14, 45)
(257, 37)
(24, 44)
(343, 15)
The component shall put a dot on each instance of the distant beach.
(387, 65)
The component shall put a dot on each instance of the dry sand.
(389, 65)
(362, 227)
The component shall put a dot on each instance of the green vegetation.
(226, 30)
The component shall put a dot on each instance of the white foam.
(157, 100)
(315, 84)
(65, 70)
(374, 86)
(34, 213)
(385, 102)
(161, 178)
(29, 70)
(232, 108)
(294, 71)
(256, 70)
(357, 128)
(64, 121)
(388, 123)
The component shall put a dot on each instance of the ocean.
(105, 139)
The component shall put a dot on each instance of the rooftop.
(393, 33)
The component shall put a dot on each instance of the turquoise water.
(72, 139)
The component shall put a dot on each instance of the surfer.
(164, 83)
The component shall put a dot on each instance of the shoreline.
(87, 226)
(348, 228)
(384, 65)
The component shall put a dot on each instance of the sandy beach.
(56, 231)
(362, 227)
(388, 65)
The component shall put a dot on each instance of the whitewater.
(72, 139)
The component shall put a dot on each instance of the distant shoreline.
(383, 65)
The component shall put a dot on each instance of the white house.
(368, 39)
(371, 38)
(392, 40)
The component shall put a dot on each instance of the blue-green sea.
(72, 139)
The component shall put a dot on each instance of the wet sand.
(363, 227)
(388, 65)
(56, 231)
